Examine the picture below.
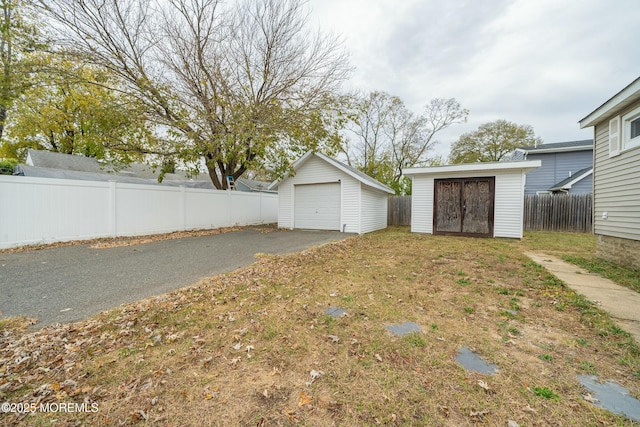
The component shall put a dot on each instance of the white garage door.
(317, 206)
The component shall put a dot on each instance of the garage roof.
(355, 173)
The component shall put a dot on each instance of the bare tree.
(235, 87)
(369, 117)
(390, 137)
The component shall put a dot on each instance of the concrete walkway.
(621, 303)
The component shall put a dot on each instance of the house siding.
(508, 207)
(616, 188)
(556, 167)
(373, 209)
(584, 186)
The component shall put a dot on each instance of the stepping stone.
(612, 397)
(405, 328)
(472, 362)
(335, 312)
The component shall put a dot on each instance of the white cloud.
(540, 62)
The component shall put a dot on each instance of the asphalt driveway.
(74, 282)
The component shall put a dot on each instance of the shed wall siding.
(373, 209)
(422, 204)
(316, 171)
(508, 207)
(616, 188)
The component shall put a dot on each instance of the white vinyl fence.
(45, 210)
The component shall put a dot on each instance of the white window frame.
(614, 136)
(627, 142)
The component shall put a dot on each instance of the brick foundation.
(625, 252)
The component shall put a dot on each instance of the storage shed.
(478, 199)
(325, 194)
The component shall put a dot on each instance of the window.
(635, 128)
(630, 130)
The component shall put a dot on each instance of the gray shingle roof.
(584, 143)
(254, 185)
(40, 172)
(63, 165)
(562, 185)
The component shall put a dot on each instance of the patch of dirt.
(116, 242)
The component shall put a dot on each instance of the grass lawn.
(255, 347)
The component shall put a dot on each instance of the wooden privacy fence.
(558, 212)
(399, 210)
(543, 212)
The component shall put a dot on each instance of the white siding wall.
(508, 209)
(351, 203)
(285, 204)
(509, 204)
(316, 171)
(616, 188)
(43, 210)
(422, 204)
(373, 209)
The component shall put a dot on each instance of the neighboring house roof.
(349, 170)
(613, 105)
(49, 164)
(52, 160)
(520, 153)
(71, 162)
(41, 172)
(566, 184)
(253, 185)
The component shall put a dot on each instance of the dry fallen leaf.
(304, 399)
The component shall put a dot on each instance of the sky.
(544, 63)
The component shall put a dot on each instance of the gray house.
(616, 176)
(567, 167)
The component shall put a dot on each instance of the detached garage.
(479, 199)
(325, 194)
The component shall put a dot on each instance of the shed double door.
(464, 206)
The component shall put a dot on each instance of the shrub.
(7, 166)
